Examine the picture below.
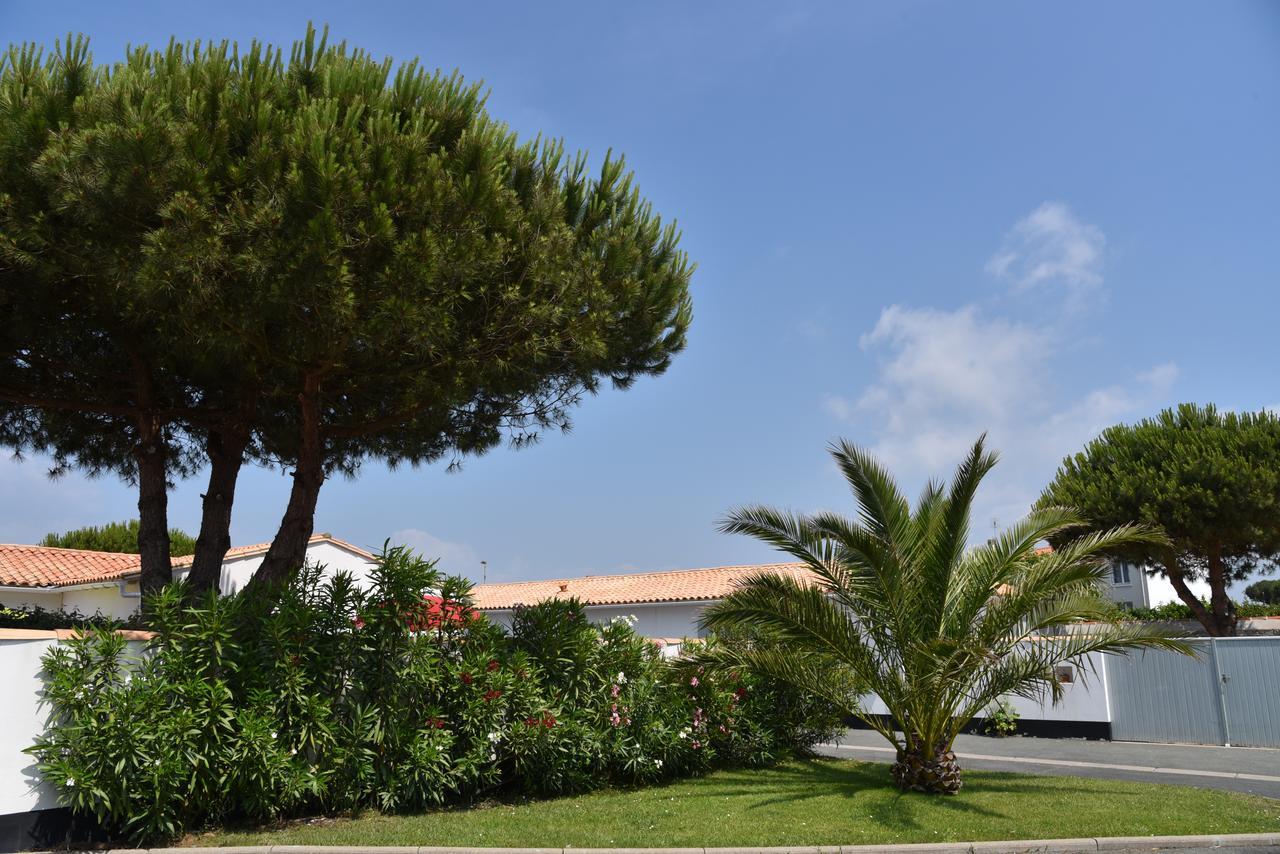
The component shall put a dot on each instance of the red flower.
(740, 693)
(358, 622)
(466, 678)
(492, 666)
(530, 721)
(492, 695)
(436, 722)
(549, 721)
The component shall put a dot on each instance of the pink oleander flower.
(614, 691)
(694, 681)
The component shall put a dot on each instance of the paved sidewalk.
(1237, 769)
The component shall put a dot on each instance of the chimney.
(564, 585)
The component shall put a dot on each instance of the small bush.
(330, 698)
(1001, 719)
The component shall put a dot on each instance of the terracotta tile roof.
(42, 566)
(683, 585)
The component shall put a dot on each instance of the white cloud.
(1050, 246)
(946, 376)
(455, 558)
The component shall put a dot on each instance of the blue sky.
(913, 222)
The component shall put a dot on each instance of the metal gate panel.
(1165, 696)
(1250, 669)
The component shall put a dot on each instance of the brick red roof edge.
(681, 585)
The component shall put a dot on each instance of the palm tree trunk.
(932, 769)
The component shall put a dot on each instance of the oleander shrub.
(332, 698)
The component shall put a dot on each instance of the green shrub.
(333, 699)
(1001, 719)
(1181, 611)
(36, 617)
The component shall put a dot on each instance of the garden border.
(1233, 841)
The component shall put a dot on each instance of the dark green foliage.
(336, 699)
(558, 637)
(1210, 480)
(211, 251)
(119, 537)
(40, 618)
(1267, 592)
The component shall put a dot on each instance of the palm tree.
(901, 607)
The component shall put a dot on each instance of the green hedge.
(332, 699)
(1179, 611)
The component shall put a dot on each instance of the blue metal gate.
(1228, 694)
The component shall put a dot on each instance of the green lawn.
(815, 802)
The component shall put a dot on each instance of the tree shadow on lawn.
(810, 778)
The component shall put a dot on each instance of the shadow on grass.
(865, 786)
(811, 778)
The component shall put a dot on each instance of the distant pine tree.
(119, 537)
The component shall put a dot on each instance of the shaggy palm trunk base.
(934, 771)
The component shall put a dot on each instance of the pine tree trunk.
(1206, 617)
(225, 448)
(153, 513)
(288, 550)
(1224, 613)
(932, 770)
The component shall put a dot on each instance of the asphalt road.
(1237, 769)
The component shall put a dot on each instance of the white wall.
(1085, 699)
(21, 720)
(105, 600)
(1150, 589)
(237, 572)
(671, 620)
(50, 601)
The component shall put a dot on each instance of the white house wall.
(105, 600)
(1084, 699)
(237, 572)
(662, 620)
(50, 601)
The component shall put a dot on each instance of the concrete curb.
(1237, 841)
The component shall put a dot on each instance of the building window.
(1120, 573)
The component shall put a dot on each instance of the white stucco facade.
(119, 598)
(670, 621)
(1134, 586)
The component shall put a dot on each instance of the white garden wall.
(22, 720)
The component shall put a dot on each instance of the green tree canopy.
(121, 537)
(1267, 592)
(1209, 479)
(312, 263)
(902, 607)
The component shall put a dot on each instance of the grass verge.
(811, 802)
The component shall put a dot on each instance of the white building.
(101, 582)
(1133, 586)
(666, 605)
